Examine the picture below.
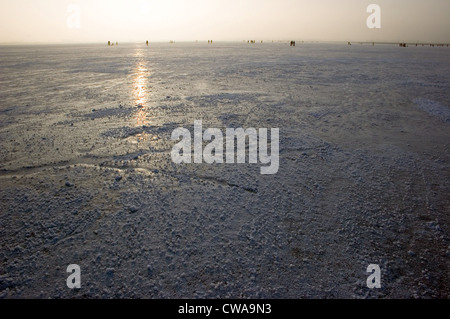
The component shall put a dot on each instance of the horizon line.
(12, 43)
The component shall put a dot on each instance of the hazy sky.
(164, 20)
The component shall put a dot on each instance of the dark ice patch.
(118, 111)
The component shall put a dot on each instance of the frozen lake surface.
(86, 175)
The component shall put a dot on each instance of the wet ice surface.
(86, 175)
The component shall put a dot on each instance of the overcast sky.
(163, 20)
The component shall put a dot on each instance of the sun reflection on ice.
(140, 95)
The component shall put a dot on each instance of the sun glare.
(140, 94)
